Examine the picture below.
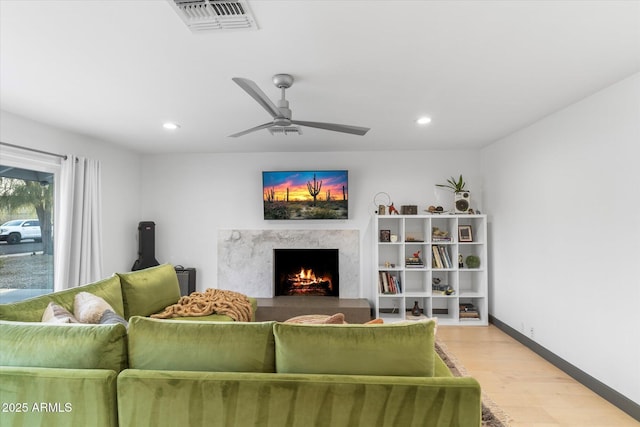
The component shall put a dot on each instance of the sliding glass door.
(26, 234)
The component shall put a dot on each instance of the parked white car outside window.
(20, 229)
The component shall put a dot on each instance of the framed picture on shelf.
(385, 235)
(465, 234)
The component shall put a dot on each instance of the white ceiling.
(116, 70)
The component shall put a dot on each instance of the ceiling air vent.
(209, 15)
(285, 130)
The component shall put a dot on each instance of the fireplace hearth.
(306, 272)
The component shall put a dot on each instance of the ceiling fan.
(281, 113)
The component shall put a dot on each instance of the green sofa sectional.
(279, 374)
(218, 373)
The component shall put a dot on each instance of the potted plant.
(462, 197)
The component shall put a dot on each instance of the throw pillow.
(318, 319)
(89, 308)
(110, 318)
(55, 313)
(150, 290)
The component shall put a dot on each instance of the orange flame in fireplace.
(307, 275)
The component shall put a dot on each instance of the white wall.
(120, 181)
(564, 217)
(192, 196)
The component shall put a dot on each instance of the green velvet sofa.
(65, 374)
(209, 373)
(282, 374)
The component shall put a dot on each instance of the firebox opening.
(306, 272)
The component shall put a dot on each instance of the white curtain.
(78, 239)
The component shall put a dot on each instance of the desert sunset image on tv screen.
(305, 194)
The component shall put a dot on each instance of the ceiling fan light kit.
(282, 123)
(285, 130)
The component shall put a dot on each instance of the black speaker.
(146, 246)
(186, 279)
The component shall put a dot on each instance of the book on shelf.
(437, 261)
(441, 258)
(468, 311)
(388, 283)
(413, 262)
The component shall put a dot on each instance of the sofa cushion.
(77, 346)
(32, 309)
(150, 290)
(201, 346)
(388, 349)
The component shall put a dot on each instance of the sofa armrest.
(56, 397)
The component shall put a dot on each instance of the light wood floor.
(530, 390)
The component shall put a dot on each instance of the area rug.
(492, 415)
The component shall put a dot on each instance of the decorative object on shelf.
(465, 233)
(472, 261)
(413, 238)
(409, 209)
(385, 235)
(435, 209)
(438, 235)
(393, 210)
(416, 311)
(394, 238)
(460, 263)
(414, 261)
(461, 197)
(454, 185)
(462, 201)
(380, 201)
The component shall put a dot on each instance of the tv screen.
(314, 194)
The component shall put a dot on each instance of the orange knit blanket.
(218, 301)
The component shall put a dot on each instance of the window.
(27, 202)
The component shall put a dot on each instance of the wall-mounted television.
(308, 194)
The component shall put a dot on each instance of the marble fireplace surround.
(245, 257)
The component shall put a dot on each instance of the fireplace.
(306, 272)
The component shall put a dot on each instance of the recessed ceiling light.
(171, 126)
(424, 120)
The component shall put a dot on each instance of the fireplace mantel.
(245, 257)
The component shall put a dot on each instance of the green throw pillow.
(73, 346)
(405, 349)
(176, 345)
(149, 291)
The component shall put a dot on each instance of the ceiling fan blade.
(356, 130)
(244, 132)
(256, 93)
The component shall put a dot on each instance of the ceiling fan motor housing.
(283, 81)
